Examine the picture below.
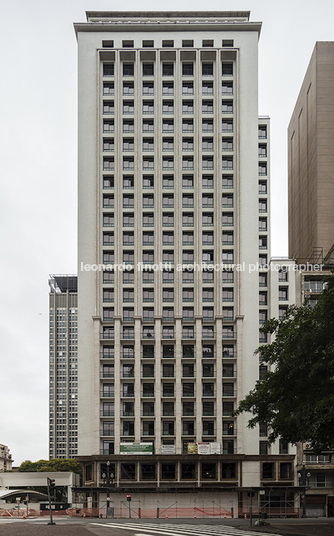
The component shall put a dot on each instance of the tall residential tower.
(63, 396)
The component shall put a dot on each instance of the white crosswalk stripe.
(175, 529)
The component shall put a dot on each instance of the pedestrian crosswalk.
(178, 529)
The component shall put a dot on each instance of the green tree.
(295, 399)
(56, 464)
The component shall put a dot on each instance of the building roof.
(63, 283)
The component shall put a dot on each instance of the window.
(187, 106)
(227, 88)
(148, 181)
(108, 107)
(168, 295)
(208, 256)
(187, 238)
(168, 125)
(227, 144)
(188, 428)
(207, 237)
(148, 219)
(207, 162)
(167, 69)
(108, 164)
(128, 277)
(148, 88)
(207, 69)
(148, 238)
(168, 181)
(207, 125)
(148, 162)
(128, 88)
(148, 107)
(188, 314)
(207, 106)
(128, 125)
(168, 256)
(187, 218)
(128, 295)
(128, 219)
(108, 126)
(207, 218)
(227, 69)
(128, 69)
(168, 200)
(187, 144)
(128, 144)
(187, 162)
(167, 43)
(148, 125)
(187, 68)
(108, 182)
(167, 144)
(262, 149)
(262, 131)
(168, 162)
(207, 87)
(128, 107)
(187, 200)
(167, 106)
(108, 220)
(283, 293)
(168, 428)
(148, 69)
(187, 125)
(207, 144)
(188, 87)
(262, 168)
(188, 295)
(148, 257)
(168, 313)
(168, 88)
(187, 181)
(227, 162)
(168, 409)
(148, 144)
(108, 69)
(227, 107)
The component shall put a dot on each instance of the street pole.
(51, 522)
(304, 480)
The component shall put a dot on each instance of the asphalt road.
(172, 527)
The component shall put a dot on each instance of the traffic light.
(128, 498)
(51, 482)
(251, 494)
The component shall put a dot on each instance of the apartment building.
(174, 250)
(63, 366)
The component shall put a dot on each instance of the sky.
(38, 169)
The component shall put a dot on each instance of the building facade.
(173, 248)
(63, 366)
(6, 461)
(311, 160)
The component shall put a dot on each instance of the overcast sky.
(38, 110)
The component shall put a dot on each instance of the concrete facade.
(311, 160)
(5, 459)
(173, 173)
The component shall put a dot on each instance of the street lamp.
(108, 480)
(304, 482)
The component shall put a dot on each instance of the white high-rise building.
(173, 224)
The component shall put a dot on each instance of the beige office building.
(173, 193)
(311, 160)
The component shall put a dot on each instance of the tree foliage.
(295, 399)
(55, 465)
